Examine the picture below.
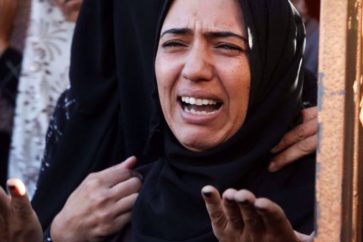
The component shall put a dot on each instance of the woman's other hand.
(8, 10)
(239, 216)
(100, 206)
(300, 141)
(18, 221)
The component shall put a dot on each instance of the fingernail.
(260, 209)
(273, 167)
(207, 194)
(243, 202)
(229, 200)
(12, 189)
(16, 187)
(137, 174)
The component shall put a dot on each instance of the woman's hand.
(18, 221)
(8, 10)
(300, 141)
(239, 216)
(100, 206)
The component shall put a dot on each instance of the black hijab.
(111, 76)
(170, 206)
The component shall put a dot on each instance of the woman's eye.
(173, 44)
(229, 48)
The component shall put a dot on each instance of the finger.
(129, 163)
(302, 148)
(122, 220)
(4, 213)
(232, 210)
(126, 188)
(117, 173)
(19, 199)
(74, 5)
(310, 113)
(296, 135)
(274, 219)
(251, 218)
(4, 201)
(304, 237)
(125, 205)
(214, 207)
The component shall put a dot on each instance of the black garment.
(111, 85)
(10, 64)
(111, 70)
(170, 193)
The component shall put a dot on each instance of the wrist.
(59, 233)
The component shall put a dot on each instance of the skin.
(300, 5)
(199, 61)
(100, 206)
(300, 141)
(18, 221)
(8, 10)
(95, 191)
(188, 61)
(240, 216)
(69, 8)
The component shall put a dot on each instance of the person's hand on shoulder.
(18, 221)
(8, 10)
(241, 217)
(298, 142)
(100, 206)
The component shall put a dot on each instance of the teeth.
(197, 101)
(192, 111)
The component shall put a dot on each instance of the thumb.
(129, 163)
(19, 199)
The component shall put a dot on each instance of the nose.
(198, 65)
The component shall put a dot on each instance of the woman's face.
(202, 71)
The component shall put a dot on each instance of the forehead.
(205, 14)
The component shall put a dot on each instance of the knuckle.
(93, 183)
(218, 218)
(104, 218)
(91, 176)
(106, 229)
(136, 183)
(301, 132)
(99, 199)
(306, 146)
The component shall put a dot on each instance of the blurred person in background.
(312, 36)
(10, 61)
(44, 77)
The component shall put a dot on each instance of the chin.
(197, 140)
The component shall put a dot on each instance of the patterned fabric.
(44, 76)
(63, 112)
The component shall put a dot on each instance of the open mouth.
(199, 106)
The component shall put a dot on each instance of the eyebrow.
(213, 34)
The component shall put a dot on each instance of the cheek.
(238, 89)
(166, 76)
